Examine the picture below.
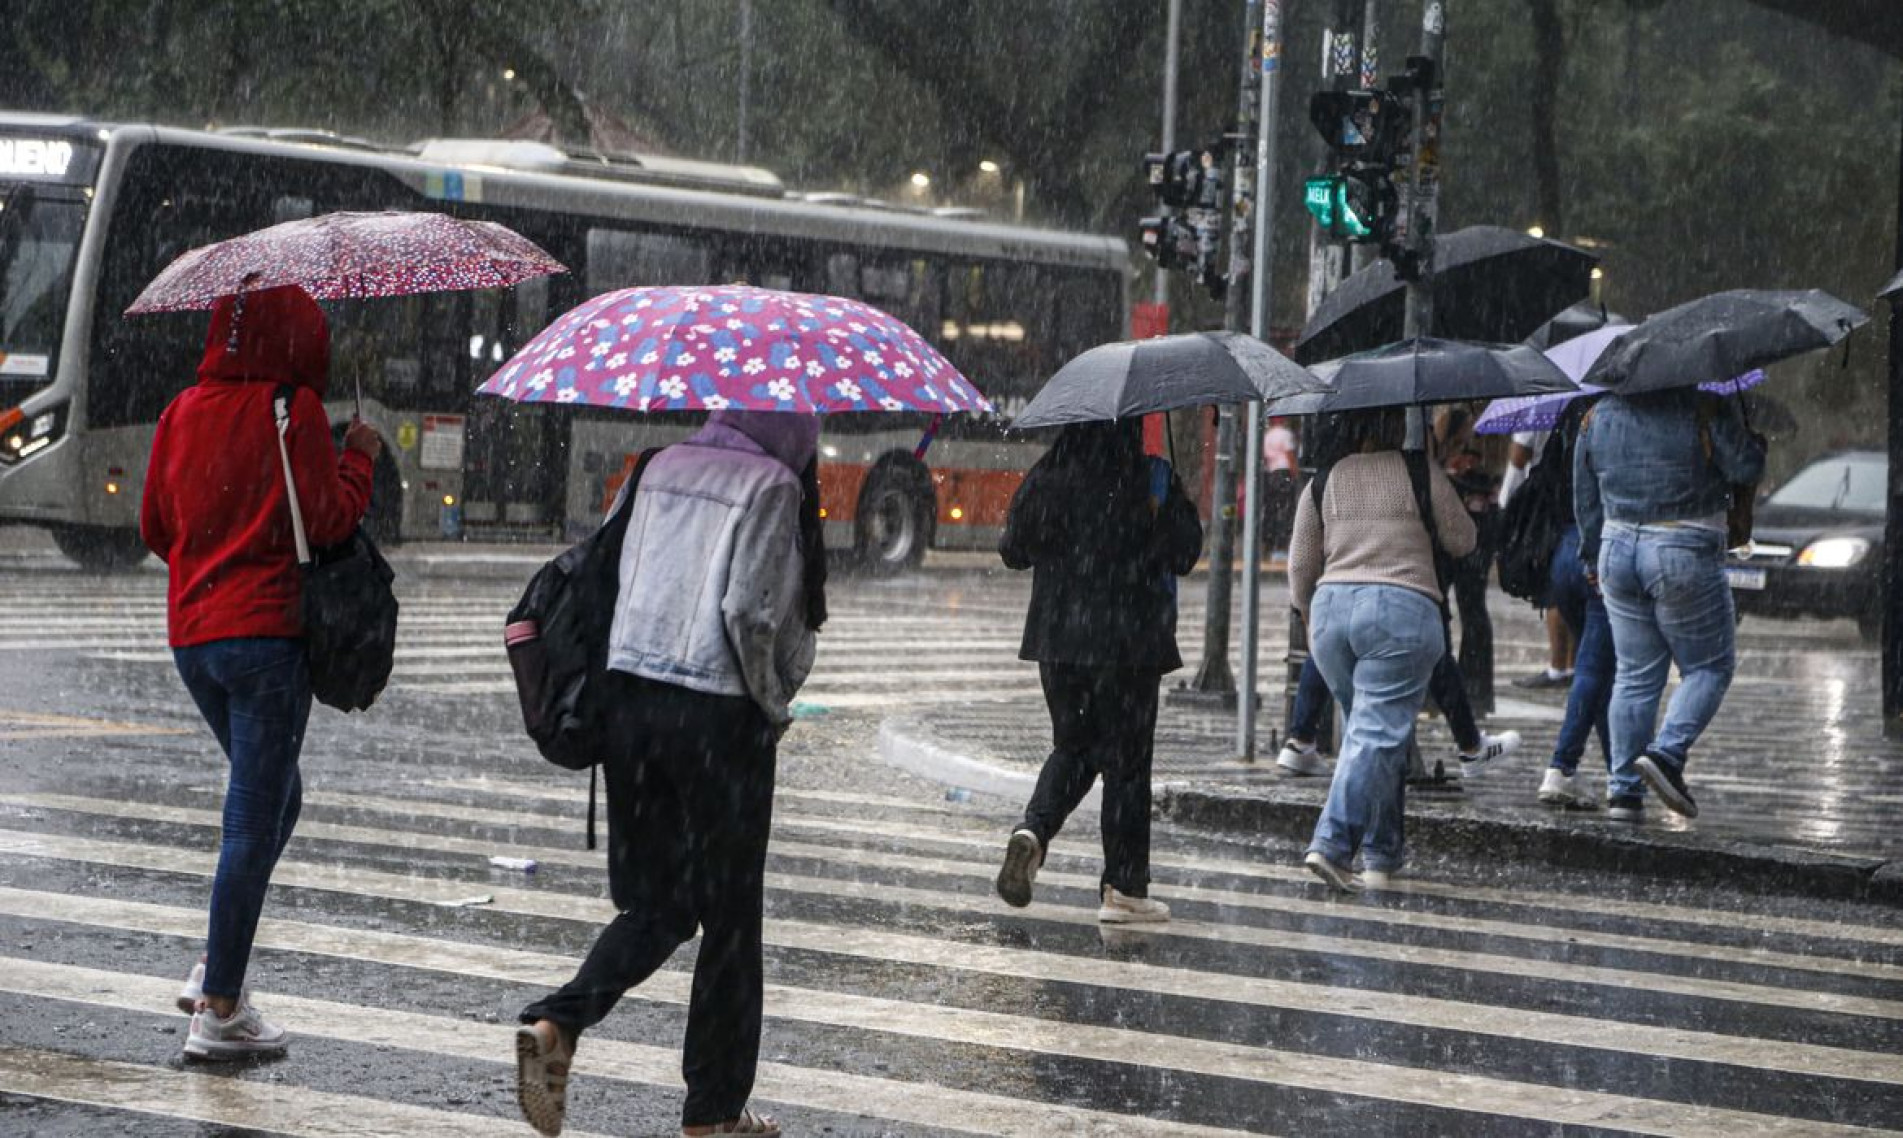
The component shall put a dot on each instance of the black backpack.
(349, 605)
(1531, 527)
(557, 640)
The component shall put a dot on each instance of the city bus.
(91, 211)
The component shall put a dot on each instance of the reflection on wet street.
(902, 996)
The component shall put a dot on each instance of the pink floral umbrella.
(710, 348)
(340, 255)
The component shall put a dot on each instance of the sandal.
(541, 1079)
(757, 1125)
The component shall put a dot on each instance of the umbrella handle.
(925, 440)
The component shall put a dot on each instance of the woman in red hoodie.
(217, 513)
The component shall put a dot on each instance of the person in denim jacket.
(1652, 478)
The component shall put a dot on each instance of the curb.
(1248, 812)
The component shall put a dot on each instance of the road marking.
(1559, 903)
(483, 784)
(1030, 964)
(276, 1106)
(21, 725)
(1268, 1066)
(917, 1104)
(1274, 938)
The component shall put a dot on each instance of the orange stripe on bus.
(966, 497)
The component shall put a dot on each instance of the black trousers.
(690, 801)
(1103, 722)
(1470, 576)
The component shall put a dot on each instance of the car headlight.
(1834, 553)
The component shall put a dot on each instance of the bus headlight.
(1834, 553)
(22, 436)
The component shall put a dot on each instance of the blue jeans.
(1668, 603)
(1376, 645)
(1593, 661)
(1445, 687)
(256, 695)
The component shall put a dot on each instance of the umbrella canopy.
(1572, 323)
(1892, 290)
(338, 255)
(1424, 371)
(710, 348)
(1722, 335)
(1136, 377)
(1491, 284)
(1575, 357)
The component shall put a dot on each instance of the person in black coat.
(1106, 531)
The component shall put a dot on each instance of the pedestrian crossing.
(903, 998)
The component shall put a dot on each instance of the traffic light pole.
(1173, 45)
(1215, 682)
(1893, 526)
(1423, 186)
(1261, 295)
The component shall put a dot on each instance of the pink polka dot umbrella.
(340, 255)
(710, 348)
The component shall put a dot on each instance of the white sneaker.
(1557, 788)
(246, 1035)
(194, 989)
(1301, 758)
(1337, 876)
(1120, 910)
(1491, 747)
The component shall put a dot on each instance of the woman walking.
(1652, 481)
(1106, 531)
(1361, 571)
(216, 511)
(723, 576)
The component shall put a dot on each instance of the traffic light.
(1367, 135)
(1190, 181)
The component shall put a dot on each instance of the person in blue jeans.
(1652, 480)
(1472, 746)
(1361, 572)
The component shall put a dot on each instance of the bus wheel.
(100, 549)
(895, 517)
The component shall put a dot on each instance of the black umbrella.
(1424, 371)
(1722, 335)
(1574, 322)
(1137, 377)
(1892, 290)
(1491, 284)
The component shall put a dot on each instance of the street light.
(921, 179)
(989, 167)
(508, 74)
(1535, 231)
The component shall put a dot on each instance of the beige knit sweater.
(1374, 534)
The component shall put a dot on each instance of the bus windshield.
(39, 240)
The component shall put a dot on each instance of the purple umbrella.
(699, 348)
(1575, 357)
(338, 255)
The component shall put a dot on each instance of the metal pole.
(1215, 681)
(1261, 298)
(746, 81)
(1172, 48)
(1893, 524)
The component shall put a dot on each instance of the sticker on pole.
(1434, 21)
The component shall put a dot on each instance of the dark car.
(1817, 544)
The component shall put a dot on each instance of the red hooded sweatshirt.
(215, 508)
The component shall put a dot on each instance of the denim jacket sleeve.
(1735, 450)
(1588, 511)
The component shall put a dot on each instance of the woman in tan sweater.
(1361, 571)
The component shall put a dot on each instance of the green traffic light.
(1331, 200)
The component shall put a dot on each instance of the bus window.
(842, 275)
(619, 258)
(997, 329)
(39, 241)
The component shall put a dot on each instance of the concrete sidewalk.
(1796, 786)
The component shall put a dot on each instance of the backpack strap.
(281, 411)
(618, 515)
(1416, 462)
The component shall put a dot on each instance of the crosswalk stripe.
(865, 943)
(1262, 1065)
(1376, 918)
(277, 1106)
(482, 783)
(1559, 904)
(918, 1104)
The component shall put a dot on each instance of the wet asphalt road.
(903, 997)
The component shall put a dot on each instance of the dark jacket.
(1103, 553)
(215, 508)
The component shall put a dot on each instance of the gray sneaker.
(1336, 876)
(1022, 857)
(1302, 758)
(1667, 782)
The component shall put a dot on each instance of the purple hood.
(791, 438)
